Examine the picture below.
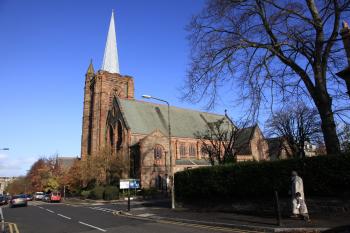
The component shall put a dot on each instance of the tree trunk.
(324, 106)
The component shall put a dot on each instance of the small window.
(182, 150)
(192, 151)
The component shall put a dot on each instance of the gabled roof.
(243, 140)
(145, 117)
(275, 146)
(66, 163)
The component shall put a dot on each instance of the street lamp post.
(170, 154)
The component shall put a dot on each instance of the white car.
(39, 196)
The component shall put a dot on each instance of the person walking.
(297, 191)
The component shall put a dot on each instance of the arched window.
(158, 152)
(111, 136)
(182, 150)
(120, 135)
(192, 151)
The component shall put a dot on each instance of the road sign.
(134, 184)
(129, 183)
(124, 184)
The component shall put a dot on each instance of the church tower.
(100, 89)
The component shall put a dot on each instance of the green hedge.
(97, 192)
(111, 193)
(322, 176)
(85, 193)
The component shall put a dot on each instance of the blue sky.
(45, 49)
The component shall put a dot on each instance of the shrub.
(322, 176)
(111, 193)
(97, 193)
(85, 193)
(150, 192)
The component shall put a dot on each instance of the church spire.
(110, 59)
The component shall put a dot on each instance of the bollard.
(278, 210)
(129, 199)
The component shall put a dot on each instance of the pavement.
(160, 210)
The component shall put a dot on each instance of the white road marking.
(63, 216)
(103, 209)
(100, 229)
(145, 215)
(50, 211)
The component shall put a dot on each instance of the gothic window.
(111, 136)
(120, 135)
(158, 153)
(192, 150)
(182, 150)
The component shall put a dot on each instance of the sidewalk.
(159, 211)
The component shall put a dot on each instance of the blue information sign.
(134, 184)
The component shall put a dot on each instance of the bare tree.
(104, 169)
(344, 136)
(296, 125)
(271, 49)
(220, 141)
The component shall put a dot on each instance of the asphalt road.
(40, 217)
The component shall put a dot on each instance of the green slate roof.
(145, 117)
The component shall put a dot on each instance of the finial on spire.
(91, 68)
(110, 59)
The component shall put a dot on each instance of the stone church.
(138, 130)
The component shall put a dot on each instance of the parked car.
(38, 195)
(55, 196)
(29, 197)
(46, 197)
(18, 200)
(3, 200)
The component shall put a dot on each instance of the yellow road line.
(224, 229)
(16, 228)
(11, 227)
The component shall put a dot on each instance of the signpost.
(129, 184)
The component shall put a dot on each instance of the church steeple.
(110, 59)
